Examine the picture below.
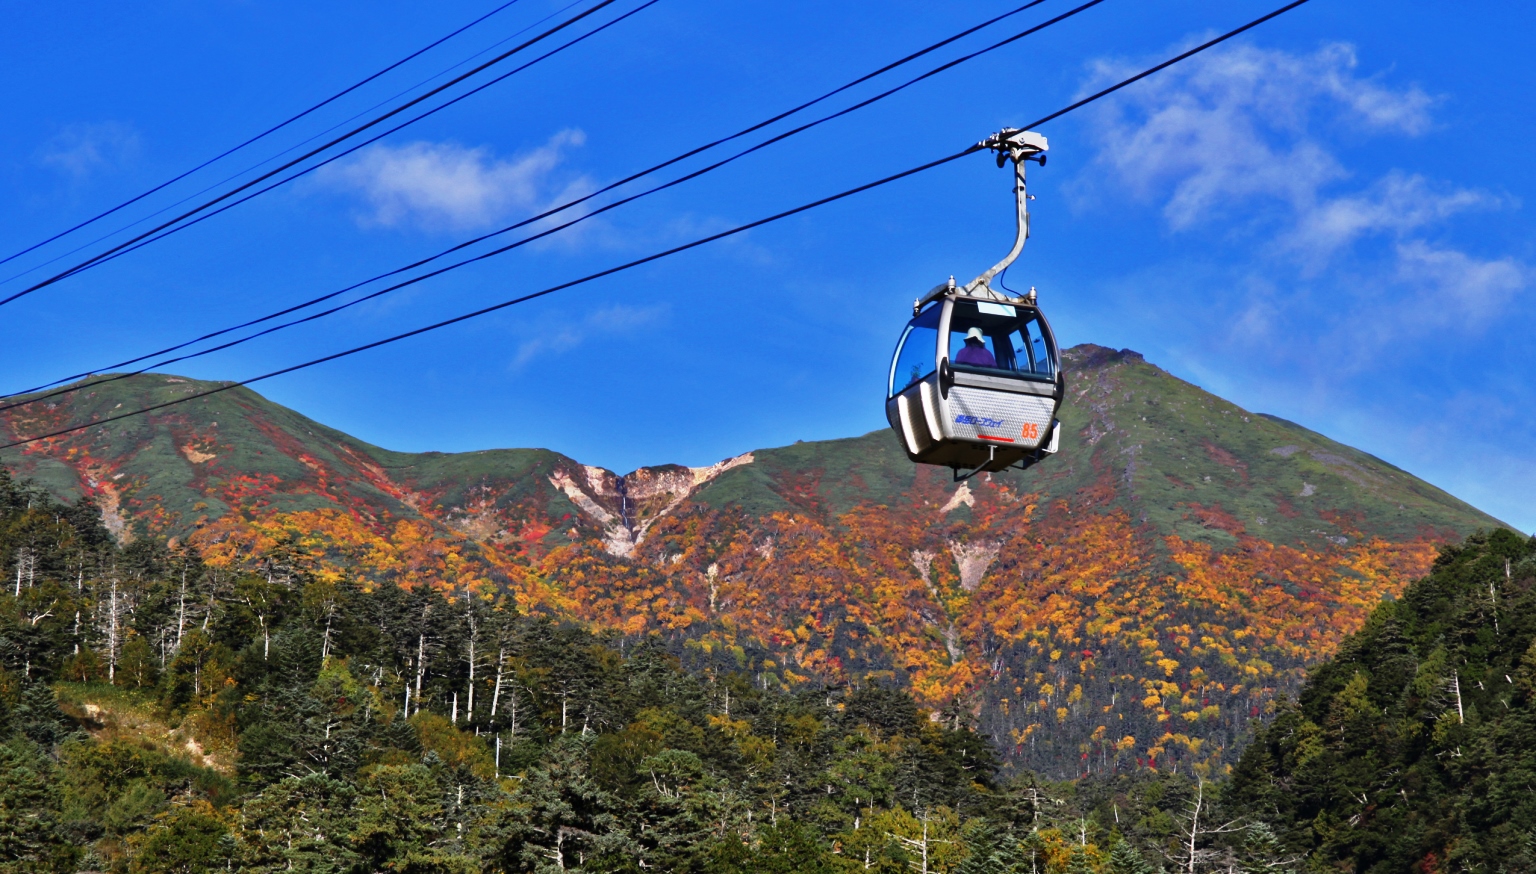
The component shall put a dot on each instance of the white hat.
(975, 334)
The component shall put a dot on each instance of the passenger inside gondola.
(975, 350)
(999, 339)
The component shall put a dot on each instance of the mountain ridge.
(1140, 597)
(437, 466)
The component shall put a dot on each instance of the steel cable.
(271, 130)
(338, 156)
(263, 162)
(307, 155)
(562, 207)
(664, 253)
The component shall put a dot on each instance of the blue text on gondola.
(978, 421)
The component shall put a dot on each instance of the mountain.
(1136, 600)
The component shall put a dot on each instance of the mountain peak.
(1175, 568)
(1089, 355)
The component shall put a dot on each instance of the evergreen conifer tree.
(1124, 858)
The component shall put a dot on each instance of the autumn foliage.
(1133, 603)
(1079, 642)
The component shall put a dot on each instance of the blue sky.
(1325, 220)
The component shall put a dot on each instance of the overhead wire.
(446, 70)
(259, 164)
(269, 131)
(151, 238)
(577, 201)
(552, 230)
(601, 4)
(666, 252)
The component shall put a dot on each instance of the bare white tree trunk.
(474, 638)
(1456, 686)
(918, 845)
(26, 568)
(1191, 858)
(1194, 825)
(559, 854)
(114, 615)
(79, 587)
(181, 607)
(469, 701)
(212, 592)
(501, 658)
(421, 666)
(512, 711)
(1493, 596)
(34, 617)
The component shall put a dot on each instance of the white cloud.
(1385, 109)
(1361, 298)
(607, 321)
(82, 149)
(1238, 145)
(1234, 124)
(1458, 290)
(1396, 204)
(444, 185)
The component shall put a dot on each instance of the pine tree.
(300, 823)
(1124, 858)
(32, 835)
(988, 850)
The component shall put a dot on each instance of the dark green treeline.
(1414, 749)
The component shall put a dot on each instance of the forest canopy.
(159, 713)
(1414, 749)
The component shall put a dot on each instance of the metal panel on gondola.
(976, 381)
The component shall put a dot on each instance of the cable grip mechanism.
(1020, 147)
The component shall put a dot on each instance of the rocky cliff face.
(1140, 597)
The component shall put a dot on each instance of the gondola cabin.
(975, 382)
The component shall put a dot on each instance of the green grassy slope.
(189, 462)
(1179, 459)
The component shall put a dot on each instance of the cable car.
(976, 382)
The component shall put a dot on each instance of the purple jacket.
(976, 355)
